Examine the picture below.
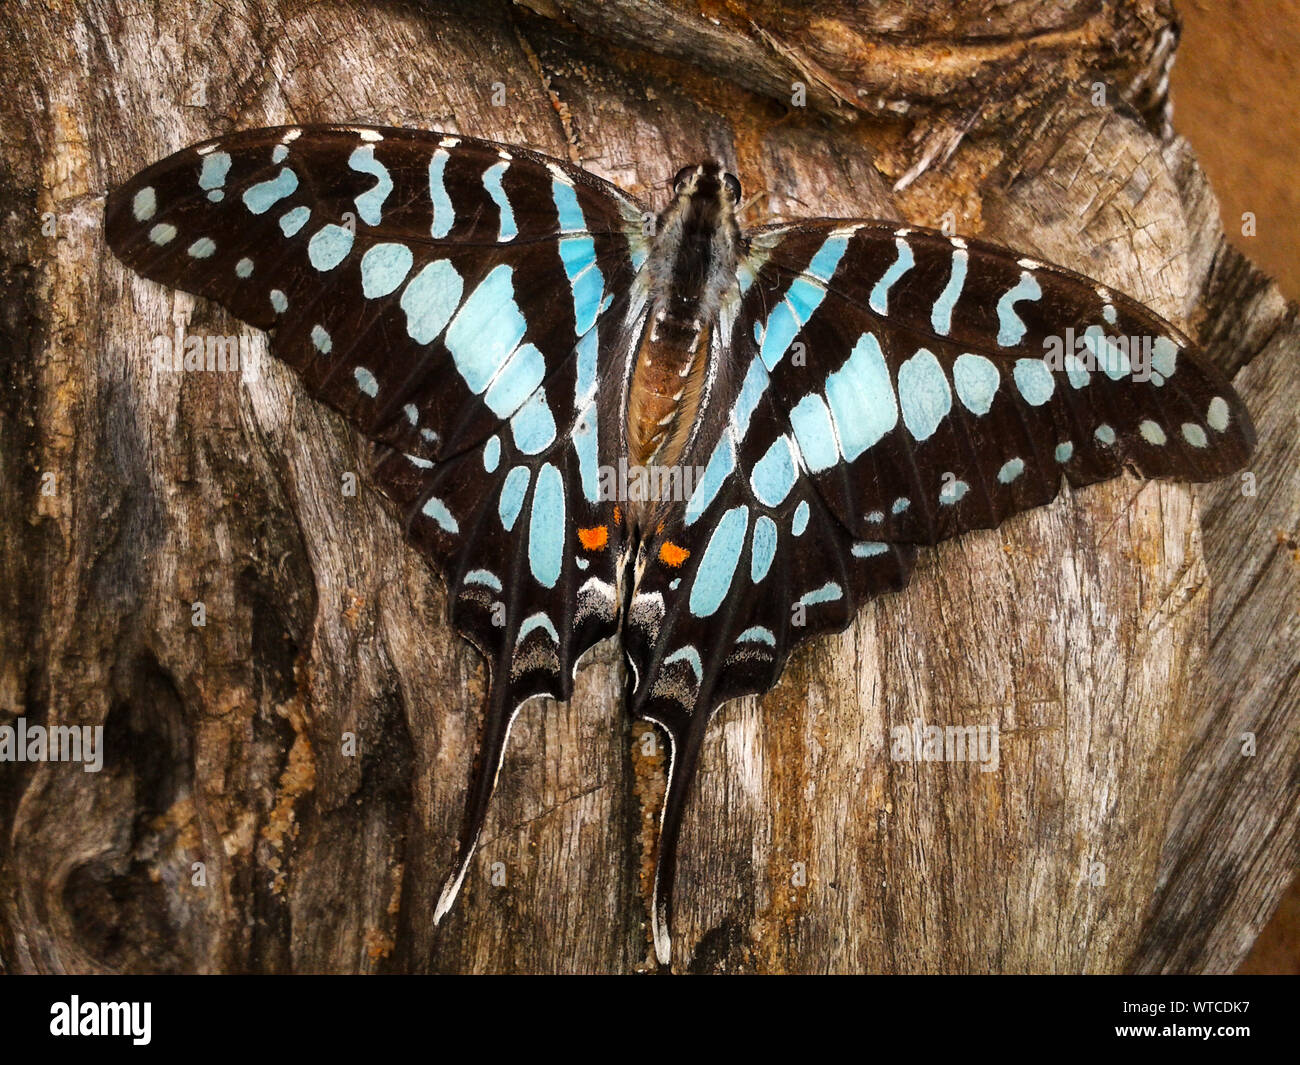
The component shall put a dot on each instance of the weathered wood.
(1082, 630)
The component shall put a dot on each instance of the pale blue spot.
(691, 657)
(876, 517)
(444, 215)
(879, 299)
(261, 197)
(534, 622)
(533, 425)
(486, 329)
(751, 391)
(244, 268)
(215, 168)
(383, 268)
(774, 474)
(370, 204)
(586, 282)
(410, 410)
(1108, 312)
(976, 379)
(162, 233)
(814, 433)
(1194, 435)
(321, 340)
(492, 182)
(436, 509)
(923, 394)
(566, 206)
(828, 257)
(718, 469)
(512, 496)
(280, 153)
(518, 380)
(430, 299)
(1217, 414)
(1152, 433)
(1011, 329)
(900, 505)
(1105, 434)
(941, 313)
(952, 491)
(1106, 355)
(800, 521)
(827, 593)
(869, 550)
(366, 381)
(144, 204)
(1164, 356)
(801, 299)
(279, 301)
(585, 440)
(718, 566)
(484, 577)
(216, 195)
(673, 584)
(202, 248)
(1064, 451)
(780, 330)
(861, 398)
(292, 221)
(757, 634)
(763, 548)
(546, 527)
(329, 246)
(1011, 469)
(1034, 380)
(584, 385)
(1076, 371)
(492, 454)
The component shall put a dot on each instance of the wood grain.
(1120, 639)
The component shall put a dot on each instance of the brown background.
(1235, 90)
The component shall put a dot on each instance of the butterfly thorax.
(691, 265)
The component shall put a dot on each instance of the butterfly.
(601, 420)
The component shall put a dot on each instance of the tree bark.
(310, 744)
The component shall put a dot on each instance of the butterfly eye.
(733, 186)
(682, 175)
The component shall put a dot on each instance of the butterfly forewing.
(399, 270)
(938, 384)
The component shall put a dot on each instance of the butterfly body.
(505, 330)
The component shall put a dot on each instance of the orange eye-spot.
(594, 539)
(672, 555)
(618, 515)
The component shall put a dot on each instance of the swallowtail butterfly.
(509, 329)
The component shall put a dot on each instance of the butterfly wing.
(884, 388)
(447, 295)
(947, 384)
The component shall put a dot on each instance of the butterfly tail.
(498, 718)
(684, 743)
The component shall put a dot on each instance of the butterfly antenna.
(683, 756)
(498, 717)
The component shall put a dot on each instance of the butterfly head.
(699, 227)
